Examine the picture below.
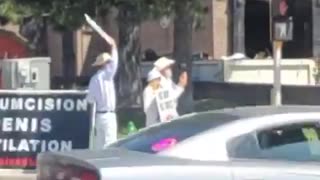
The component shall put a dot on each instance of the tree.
(130, 16)
(12, 11)
(65, 17)
(131, 13)
(188, 15)
(33, 29)
(129, 79)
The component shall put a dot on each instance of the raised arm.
(113, 67)
(110, 41)
(114, 57)
(177, 90)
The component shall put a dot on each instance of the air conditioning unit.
(25, 73)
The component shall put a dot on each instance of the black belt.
(104, 112)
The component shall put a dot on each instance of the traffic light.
(282, 21)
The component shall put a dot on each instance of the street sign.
(281, 21)
(283, 29)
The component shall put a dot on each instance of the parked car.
(230, 144)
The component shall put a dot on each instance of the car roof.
(259, 111)
(216, 118)
(196, 123)
(236, 119)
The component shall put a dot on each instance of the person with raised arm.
(164, 66)
(101, 91)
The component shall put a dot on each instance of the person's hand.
(154, 85)
(183, 79)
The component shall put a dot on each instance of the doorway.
(257, 29)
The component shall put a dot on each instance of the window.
(296, 142)
(244, 146)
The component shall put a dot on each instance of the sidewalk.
(14, 174)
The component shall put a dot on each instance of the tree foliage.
(68, 14)
(146, 9)
(62, 14)
(182, 48)
(12, 11)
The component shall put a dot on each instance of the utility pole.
(277, 56)
(281, 31)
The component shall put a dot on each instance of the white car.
(247, 143)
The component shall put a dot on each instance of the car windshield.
(166, 135)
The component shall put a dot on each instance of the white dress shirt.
(101, 86)
(150, 106)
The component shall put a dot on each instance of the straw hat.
(153, 74)
(163, 62)
(102, 59)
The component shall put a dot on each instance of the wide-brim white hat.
(163, 63)
(102, 59)
(153, 74)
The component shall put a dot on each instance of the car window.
(296, 142)
(166, 135)
(244, 146)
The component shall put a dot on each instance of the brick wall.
(220, 28)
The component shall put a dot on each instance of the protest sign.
(32, 122)
(166, 104)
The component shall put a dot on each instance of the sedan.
(231, 144)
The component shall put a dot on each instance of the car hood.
(110, 157)
(117, 164)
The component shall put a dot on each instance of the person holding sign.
(168, 97)
(102, 91)
(149, 98)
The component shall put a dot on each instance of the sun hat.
(153, 74)
(163, 62)
(102, 59)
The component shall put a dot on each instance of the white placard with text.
(166, 105)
